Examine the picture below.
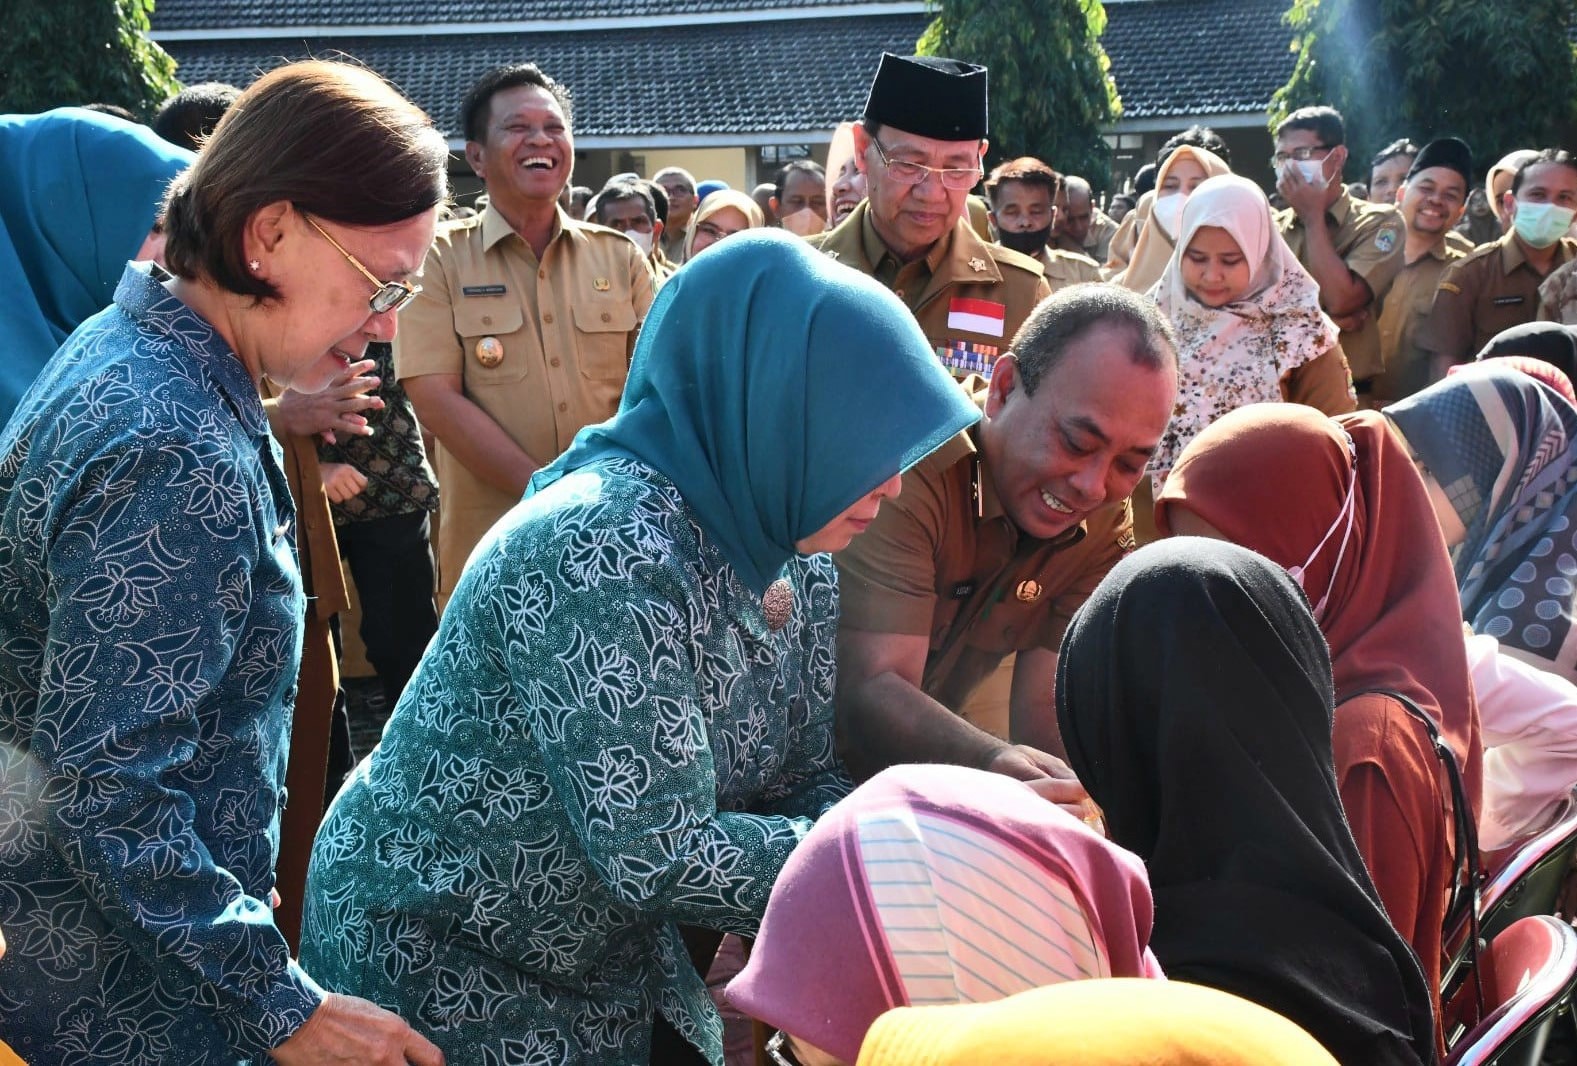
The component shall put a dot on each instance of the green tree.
(1052, 93)
(1500, 74)
(59, 52)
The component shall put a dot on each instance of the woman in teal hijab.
(79, 192)
(624, 723)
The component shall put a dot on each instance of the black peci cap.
(930, 97)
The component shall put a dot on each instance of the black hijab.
(1194, 694)
(1550, 341)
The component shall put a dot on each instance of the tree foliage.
(1500, 74)
(1051, 88)
(60, 52)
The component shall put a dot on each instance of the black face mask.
(1029, 242)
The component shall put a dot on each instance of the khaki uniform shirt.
(1067, 268)
(1481, 294)
(1459, 242)
(1371, 238)
(559, 334)
(1411, 296)
(969, 296)
(944, 561)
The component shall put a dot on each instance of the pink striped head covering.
(939, 884)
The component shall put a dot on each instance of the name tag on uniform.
(963, 590)
(1508, 301)
(977, 316)
(482, 290)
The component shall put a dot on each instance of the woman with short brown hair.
(151, 599)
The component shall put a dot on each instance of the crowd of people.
(940, 627)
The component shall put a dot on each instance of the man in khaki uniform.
(998, 537)
(1080, 227)
(1433, 196)
(526, 321)
(1023, 197)
(1353, 248)
(919, 148)
(1497, 286)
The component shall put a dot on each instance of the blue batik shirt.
(150, 630)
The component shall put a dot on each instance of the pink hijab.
(939, 884)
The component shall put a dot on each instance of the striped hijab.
(934, 885)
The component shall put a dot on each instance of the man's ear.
(1004, 377)
(473, 157)
(862, 141)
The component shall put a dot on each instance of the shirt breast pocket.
(498, 320)
(602, 331)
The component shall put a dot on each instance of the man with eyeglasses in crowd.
(919, 147)
(1353, 248)
(524, 328)
(953, 602)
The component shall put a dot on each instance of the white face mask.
(643, 241)
(1344, 517)
(1311, 170)
(1168, 211)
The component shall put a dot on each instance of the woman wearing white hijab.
(1247, 315)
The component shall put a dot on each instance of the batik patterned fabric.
(605, 739)
(1501, 445)
(150, 617)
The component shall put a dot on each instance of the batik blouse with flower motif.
(150, 628)
(604, 741)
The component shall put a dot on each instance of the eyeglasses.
(391, 295)
(775, 1050)
(907, 173)
(715, 233)
(1302, 155)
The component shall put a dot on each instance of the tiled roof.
(1197, 57)
(224, 14)
(723, 79)
(1170, 58)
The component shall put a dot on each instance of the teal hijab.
(81, 191)
(774, 388)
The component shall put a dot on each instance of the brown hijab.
(1273, 478)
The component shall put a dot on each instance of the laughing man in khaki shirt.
(527, 319)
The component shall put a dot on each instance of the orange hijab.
(1273, 478)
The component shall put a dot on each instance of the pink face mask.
(1347, 514)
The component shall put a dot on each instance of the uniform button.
(607, 317)
(563, 407)
(487, 320)
(898, 293)
(548, 318)
(542, 273)
(554, 361)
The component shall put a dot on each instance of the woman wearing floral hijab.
(624, 722)
(1248, 321)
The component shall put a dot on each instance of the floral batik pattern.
(604, 741)
(150, 616)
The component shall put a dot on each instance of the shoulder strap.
(1467, 871)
